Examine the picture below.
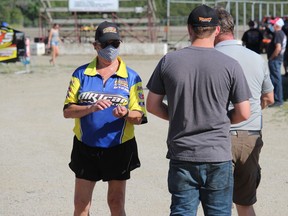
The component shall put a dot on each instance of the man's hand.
(120, 112)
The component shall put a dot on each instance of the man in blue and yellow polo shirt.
(105, 97)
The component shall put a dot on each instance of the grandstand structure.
(79, 26)
(145, 26)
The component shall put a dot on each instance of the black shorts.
(94, 164)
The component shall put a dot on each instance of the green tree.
(4, 14)
(4, 11)
(20, 12)
(30, 10)
(16, 17)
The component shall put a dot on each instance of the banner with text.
(93, 5)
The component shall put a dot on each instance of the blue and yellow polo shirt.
(101, 128)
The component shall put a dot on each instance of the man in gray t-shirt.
(199, 83)
(246, 136)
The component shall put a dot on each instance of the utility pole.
(167, 21)
(151, 20)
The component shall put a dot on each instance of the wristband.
(126, 114)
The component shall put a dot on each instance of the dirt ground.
(36, 142)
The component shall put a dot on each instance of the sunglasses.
(115, 44)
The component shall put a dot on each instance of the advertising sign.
(8, 50)
(12, 44)
(93, 5)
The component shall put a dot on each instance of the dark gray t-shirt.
(199, 83)
(278, 37)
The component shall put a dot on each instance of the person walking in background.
(199, 82)
(252, 38)
(246, 136)
(106, 99)
(275, 53)
(53, 43)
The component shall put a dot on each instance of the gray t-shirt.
(257, 74)
(279, 37)
(199, 83)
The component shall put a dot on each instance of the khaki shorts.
(246, 148)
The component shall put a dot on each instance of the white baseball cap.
(277, 21)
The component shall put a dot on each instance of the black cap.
(251, 23)
(203, 16)
(107, 31)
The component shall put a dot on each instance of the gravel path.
(36, 142)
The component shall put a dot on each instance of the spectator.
(252, 38)
(247, 171)
(285, 60)
(199, 82)
(275, 55)
(53, 43)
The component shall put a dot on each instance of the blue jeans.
(276, 78)
(209, 183)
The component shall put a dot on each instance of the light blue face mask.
(271, 28)
(109, 53)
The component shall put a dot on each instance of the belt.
(246, 132)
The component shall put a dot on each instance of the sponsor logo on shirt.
(121, 84)
(142, 103)
(141, 96)
(93, 97)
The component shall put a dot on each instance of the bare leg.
(83, 196)
(54, 52)
(245, 210)
(116, 197)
